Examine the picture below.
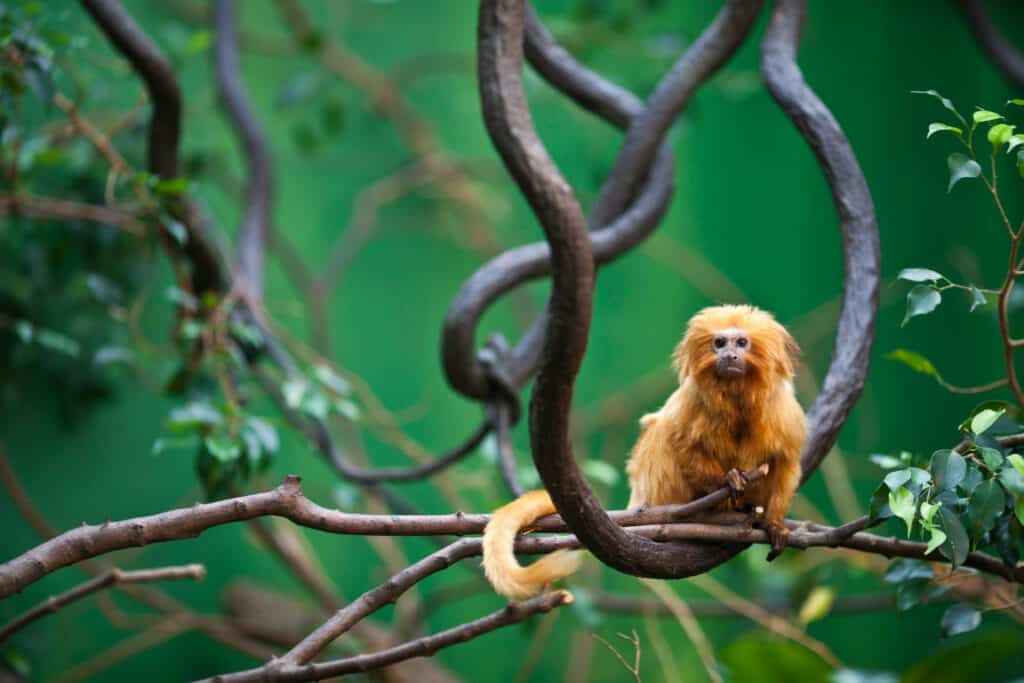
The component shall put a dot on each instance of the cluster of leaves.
(231, 443)
(1000, 134)
(925, 294)
(65, 289)
(956, 502)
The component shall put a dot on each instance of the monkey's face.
(730, 347)
(735, 348)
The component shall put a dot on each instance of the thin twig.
(684, 615)
(422, 647)
(111, 578)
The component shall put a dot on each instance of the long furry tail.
(503, 571)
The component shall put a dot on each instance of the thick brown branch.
(284, 501)
(616, 227)
(110, 578)
(164, 130)
(287, 501)
(816, 124)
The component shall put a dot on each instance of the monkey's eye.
(742, 342)
(719, 342)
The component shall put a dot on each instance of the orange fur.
(708, 426)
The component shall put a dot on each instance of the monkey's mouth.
(730, 370)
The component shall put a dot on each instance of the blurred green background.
(749, 202)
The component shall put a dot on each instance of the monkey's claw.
(778, 535)
(737, 483)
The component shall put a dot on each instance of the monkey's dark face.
(730, 347)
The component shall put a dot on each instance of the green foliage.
(760, 657)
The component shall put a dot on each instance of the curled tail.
(503, 571)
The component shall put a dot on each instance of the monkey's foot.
(778, 535)
(737, 483)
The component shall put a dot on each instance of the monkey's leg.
(781, 483)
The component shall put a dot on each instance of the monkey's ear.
(792, 350)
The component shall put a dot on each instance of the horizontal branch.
(285, 501)
(110, 578)
(513, 613)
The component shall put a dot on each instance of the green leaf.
(914, 361)
(108, 355)
(760, 657)
(986, 504)
(315, 404)
(984, 116)
(348, 409)
(879, 508)
(902, 504)
(293, 390)
(964, 661)
(944, 100)
(264, 432)
(948, 469)
(934, 128)
(817, 605)
(171, 186)
(960, 619)
(905, 569)
(223, 448)
(896, 480)
(25, 331)
(1019, 102)
(977, 298)
(971, 479)
(1017, 461)
(55, 341)
(1020, 162)
(960, 167)
(985, 419)
(928, 511)
(937, 538)
(1013, 480)
(992, 458)
(957, 544)
(909, 593)
(192, 416)
(886, 462)
(1015, 141)
(1018, 509)
(1000, 134)
(921, 300)
(175, 229)
(920, 275)
(330, 379)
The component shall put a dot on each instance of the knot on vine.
(504, 394)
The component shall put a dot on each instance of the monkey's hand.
(737, 483)
(778, 534)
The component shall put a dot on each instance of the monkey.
(734, 410)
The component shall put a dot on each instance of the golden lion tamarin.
(734, 410)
